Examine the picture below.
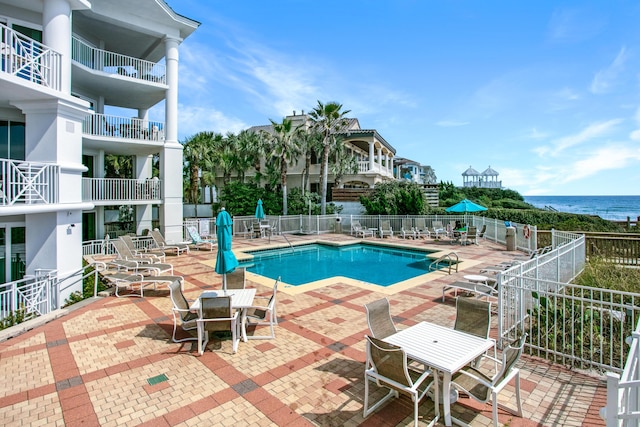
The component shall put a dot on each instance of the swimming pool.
(379, 265)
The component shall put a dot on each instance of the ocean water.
(614, 208)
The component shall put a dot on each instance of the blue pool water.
(379, 265)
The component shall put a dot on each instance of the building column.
(171, 154)
(371, 156)
(390, 161)
(54, 135)
(380, 157)
(56, 33)
(144, 213)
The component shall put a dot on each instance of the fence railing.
(115, 63)
(123, 127)
(30, 60)
(623, 390)
(28, 182)
(121, 190)
(29, 297)
(206, 227)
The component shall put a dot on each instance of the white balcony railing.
(121, 190)
(26, 58)
(115, 63)
(123, 127)
(363, 167)
(28, 182)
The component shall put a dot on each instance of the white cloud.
(194, 119)
(606, 158)
(592, 131)
(575, 25)
(534, 133)
(606, 78)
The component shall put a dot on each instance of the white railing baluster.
(121, 190)
(28, 182)
(123, 127)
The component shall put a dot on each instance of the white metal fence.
(121, 190)
(29, 297)
(28, 59)
(115, 63)
(623, 390)
(123, 127)
(28, 182)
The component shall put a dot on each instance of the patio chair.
(470, 236)
(197, 241)
(263, 314)
(217, 316)
(136, 283)
(125, 253)
(154, 255)
(478, 289)
(181, 314)
(237, 279)
(483, 388)
(473, 317)
(379, 318)
(482, 231)
(421, 228)
(438, 229)
(407, 229)
(256, 230)
(385, 229)
(166, 246)
(387, 365)
(358, 230)
(145, 268)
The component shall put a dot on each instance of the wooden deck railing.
(619, 248)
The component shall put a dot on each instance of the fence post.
(95, 281)
(610, 412)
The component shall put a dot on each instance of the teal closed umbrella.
(226, 261)
(465, 206)
(259, 210)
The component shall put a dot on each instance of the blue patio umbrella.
(259, 210)
(226, 261)
(465, 206)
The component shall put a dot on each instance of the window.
(12, 140)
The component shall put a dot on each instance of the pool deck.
(103, 363)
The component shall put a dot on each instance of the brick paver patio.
(112, 361)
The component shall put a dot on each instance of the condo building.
(84, 82)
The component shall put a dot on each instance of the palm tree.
(197, 148)
(285, 148)
(343, 163)
(253, 150)
(327, 119)
(310, 142)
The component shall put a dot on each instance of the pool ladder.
(449, 257)
(285, 238)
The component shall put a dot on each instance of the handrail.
(118, 189)
(28, 182)
(99, 124)
(434, 265)
(115, 63)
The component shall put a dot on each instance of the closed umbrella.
(259, 210)
(226, 261)
(465, 206)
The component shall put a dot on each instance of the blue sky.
(546, 93)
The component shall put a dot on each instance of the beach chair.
(407, 230)
(155, 255)
(385, 229)
(421, 228)
(359, 231)
(197, 241)
(135, 283)
(166, 246)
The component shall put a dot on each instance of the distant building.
(410, 170)
(486, 179)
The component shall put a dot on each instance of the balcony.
(110, 191)
(30, 60)
(114, 63)
(363, 168)
(28, 183)
(122, 80)
(102, 125)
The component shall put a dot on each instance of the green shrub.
(395, 198)
(14, 318)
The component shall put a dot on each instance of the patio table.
(442, 349)
(241, 299)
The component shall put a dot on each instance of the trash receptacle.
(338, 229)
(511, 238)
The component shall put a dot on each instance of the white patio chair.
(263, 314)
(387, 365)
(182, 316)
(385, 229)
(216, 315)
(379, 318)
(484, 388)
(407, 229)
(166, 246)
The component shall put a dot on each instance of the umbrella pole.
(224, 282)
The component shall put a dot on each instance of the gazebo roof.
(470, 172)
(490, 172)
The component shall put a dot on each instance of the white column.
(144, 170)
(380, 157)
(171, 154)
(56, 26)
(54, 135)
(390, 165)
(371, 155)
